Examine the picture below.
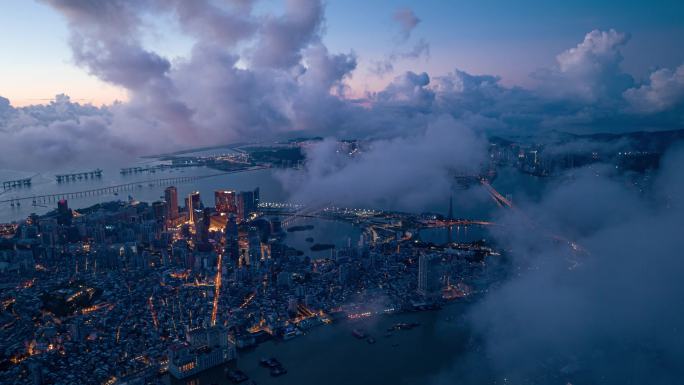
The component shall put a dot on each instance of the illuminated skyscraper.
(194, 206)
(225, 201)
(171, 198)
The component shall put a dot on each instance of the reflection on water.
(331, 355)
(460, 234)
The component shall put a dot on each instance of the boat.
(290, 334)
(237, 376)
(403, 326)
(270, 362)
(358, 333)
(278, 371)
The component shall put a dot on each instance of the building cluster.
(553, 159)
(130, 292)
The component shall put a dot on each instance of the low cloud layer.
(612, 316)
(404, 173)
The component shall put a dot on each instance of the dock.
(97, 173)
(16, 183)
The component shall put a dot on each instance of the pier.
(97, 173)
(16, 183)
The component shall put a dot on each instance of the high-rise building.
(159, 209)
(64, 213)
(429, 268)
(171, 198)
(194, 206)
(232, 240)
(203, 225)
(254, 245)
(225, 201)
(246, 204)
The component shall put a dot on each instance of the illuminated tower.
(225, 201)
(194, 205)
(451, 208)
(171, 198)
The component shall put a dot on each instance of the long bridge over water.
(49, 198)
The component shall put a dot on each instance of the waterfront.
(471, 203)
(331, 355)
(45, 184)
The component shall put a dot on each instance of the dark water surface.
(329, 354)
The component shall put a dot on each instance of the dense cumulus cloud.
(664, 90)
(254, 76)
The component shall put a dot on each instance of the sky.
(504, 38)
(207, 72)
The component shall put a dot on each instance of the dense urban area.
(132, 292)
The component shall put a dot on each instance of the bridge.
(16, 183)
(303, 212)
(500, 200)
(48, 198)
(97, 173)
(454, 223)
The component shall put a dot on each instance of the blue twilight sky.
(500, 37)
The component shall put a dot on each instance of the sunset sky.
(510, 39)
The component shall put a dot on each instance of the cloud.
(60, 134)
(270, 75)
(615, 317)
(589, 71)
(407, 21)
(206, 97)
(664, 90)
(282, 38)
(405, 173)
(386, 65)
